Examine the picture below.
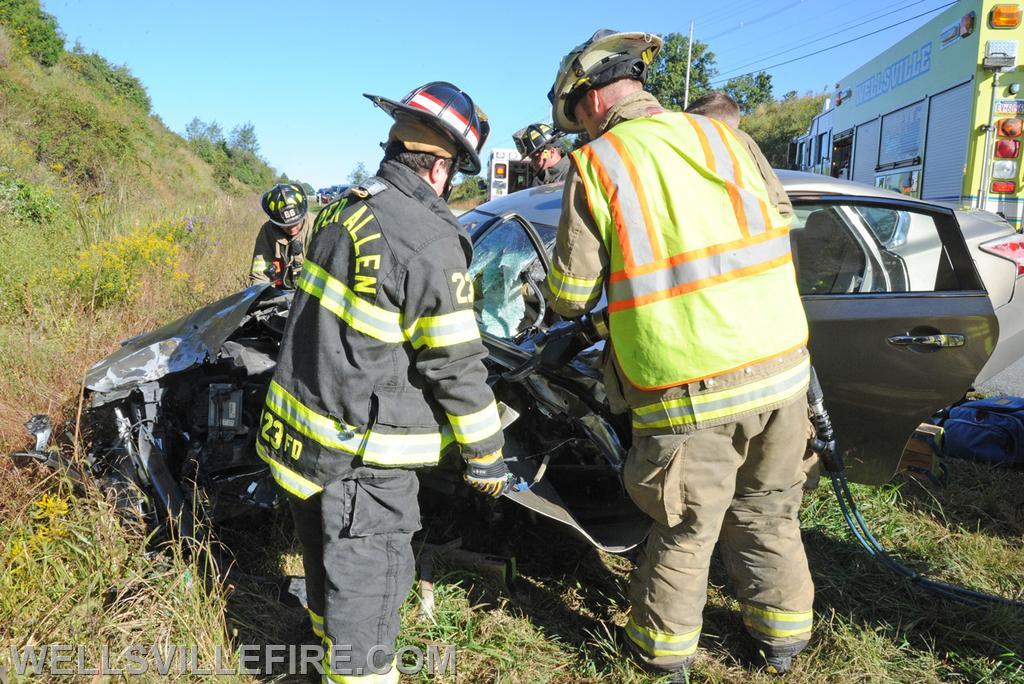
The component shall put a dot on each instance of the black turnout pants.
(356, 539)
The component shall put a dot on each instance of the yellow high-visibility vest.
(702, 280)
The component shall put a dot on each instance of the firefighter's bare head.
(436, 170)
(717, 105)
(592, 108)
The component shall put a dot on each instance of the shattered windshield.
(507, 273)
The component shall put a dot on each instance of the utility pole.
(689, 58)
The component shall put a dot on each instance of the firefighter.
(278, 253)
(719, 105)
(666, 214)
(538, 144)
(380, 371)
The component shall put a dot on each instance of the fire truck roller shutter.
(949, 126)
(865, 153)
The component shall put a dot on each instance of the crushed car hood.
(187, 342)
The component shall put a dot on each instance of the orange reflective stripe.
(751, 211)
(613, 202)
(761, 204)
(694, 285)
(698, 270)
(638, 188)
(737, 178)
(701, 253)
(625, 198)
(709, 157)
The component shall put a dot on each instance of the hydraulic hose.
(824, 444)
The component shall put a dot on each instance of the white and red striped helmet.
(442, 103)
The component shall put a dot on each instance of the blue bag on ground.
(986, 430)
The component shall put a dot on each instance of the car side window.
(828, 255)
(506, 270)
(855, 249)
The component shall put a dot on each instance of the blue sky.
(298, 70)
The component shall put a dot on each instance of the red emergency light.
(1007, 149)
(1004, 187)
(1011, 128)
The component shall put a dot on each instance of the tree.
(359, 174)
(196, 129)
(243, 137)
(666, 79)
(214, 133)
(750, 90)
(467, 190)
(773, 125)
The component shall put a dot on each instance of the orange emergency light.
(1011, 128)
(1005, 16)
(499, 170)
(1004, 187)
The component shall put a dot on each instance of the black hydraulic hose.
(824, 444)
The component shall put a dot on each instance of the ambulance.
(936, 116)
(507, 173)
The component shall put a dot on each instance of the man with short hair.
(380, 370)
(538, 144)
(281, 243)
(666, 214)
(719, 105)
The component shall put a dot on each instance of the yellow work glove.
(488, 474)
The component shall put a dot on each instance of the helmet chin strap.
(448, 181)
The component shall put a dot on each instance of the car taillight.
(1011, 248)
(1005, 16)
(1007, 149)
(1004, 187)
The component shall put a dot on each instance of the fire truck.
(508, 172)
(937, 116)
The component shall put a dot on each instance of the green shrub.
(33, 29)
(116, 79)
(26, 202)
(74, 134)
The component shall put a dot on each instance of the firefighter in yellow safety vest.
(667, 215)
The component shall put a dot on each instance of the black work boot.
(679, 672)
(776, 660)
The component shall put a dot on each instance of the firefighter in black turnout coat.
(380, 372)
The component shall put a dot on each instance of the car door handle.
(940, 340)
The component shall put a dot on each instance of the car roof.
(543, 204)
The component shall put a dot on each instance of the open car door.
(900, 320)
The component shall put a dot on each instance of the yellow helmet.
(607, 56)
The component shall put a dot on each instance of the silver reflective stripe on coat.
(725, 167)
(696, 270)
(628, 199)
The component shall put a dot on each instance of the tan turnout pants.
(739, 484)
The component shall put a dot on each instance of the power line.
(719, 81)
(769, 15)
(818, 37)
(725, 13)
